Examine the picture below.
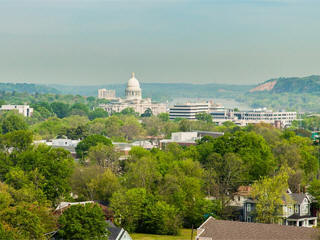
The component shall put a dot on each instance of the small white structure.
(66, 144)
(64, 205)
(60, 142)
(25, 110)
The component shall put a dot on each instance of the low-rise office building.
(243, 118)
(188, 110)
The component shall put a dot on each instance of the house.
(241, 196)
(117, 233)
(237, 202)
(295, 212)
(213, 229)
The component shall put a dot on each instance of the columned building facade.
(133, 99)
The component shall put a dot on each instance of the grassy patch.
(185, 234)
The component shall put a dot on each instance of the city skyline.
(101, 42)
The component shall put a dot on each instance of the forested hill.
(27, 87)
(164, 91)
(310, 84)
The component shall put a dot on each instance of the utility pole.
(192, 232)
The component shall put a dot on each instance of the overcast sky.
(89, 42)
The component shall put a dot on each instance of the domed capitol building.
(133, 100)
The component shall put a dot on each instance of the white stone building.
(106, 94)
(134, 100)
(25, 110)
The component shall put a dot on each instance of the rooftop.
(213, 229)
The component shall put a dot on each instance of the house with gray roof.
(117, 233)
(295, 211)
(213, 229)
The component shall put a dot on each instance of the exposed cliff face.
(268, 86)
(310, 84)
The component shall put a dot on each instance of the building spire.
(132, 75)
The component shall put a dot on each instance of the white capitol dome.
(133, 83)
(133, 90)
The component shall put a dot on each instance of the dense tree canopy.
(90, 141)
(83, 222)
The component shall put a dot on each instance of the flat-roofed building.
(25, 110)
(188, 138)
(106, 94)
(188, 110)
(243, 118)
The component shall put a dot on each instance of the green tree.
(79, 109)
(94, 183)
(131, 128)
(269, 193)
(52, 168)
(226, 173)
(19, 140)
(129, 111)
(143, 174)
(83, 222)
(161, 218)
(90, 141)
(77, 132)
(128, 207)
(314, 190)
(164, 117)
(62, 110)
(98, 113)
(24, 222)
(206, 117)
(12, 122)
(104, 156)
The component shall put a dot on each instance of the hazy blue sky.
(196, 41)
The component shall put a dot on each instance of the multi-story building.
(134, 100)
(188, 110)
(25, 110)
(106, 94)
(243, 118)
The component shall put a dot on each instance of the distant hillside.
(310, 84)
(163, 91)
(27, 87)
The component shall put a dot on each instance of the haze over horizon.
(91, 42)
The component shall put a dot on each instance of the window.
(248, 207)
(239, 198)
(296, 208)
